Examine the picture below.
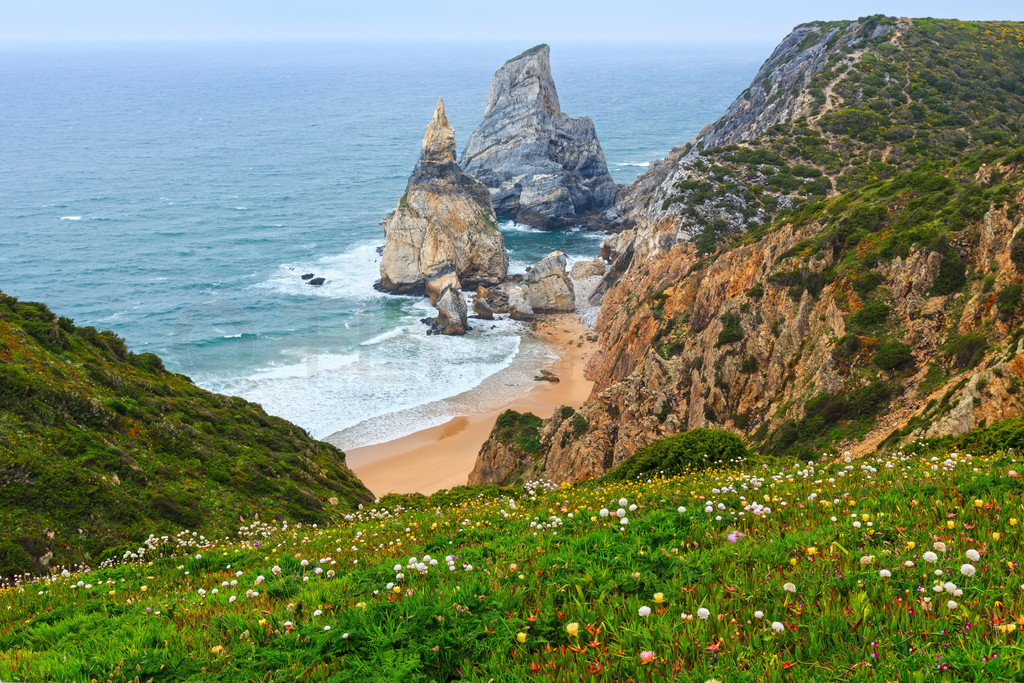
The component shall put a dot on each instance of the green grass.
(100, 447)
(544, 586)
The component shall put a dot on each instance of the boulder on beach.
(585, 269)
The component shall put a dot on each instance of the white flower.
(327, 628)
(704, 613)
(632, 508)
(952, 604)
(759, 614)
(680, 509)
(973, 555)
(940, 546)
(621, 512)
(778, 627)
(967, 570)
(304, 563)
(930, 557)
(856, 525)
(789, 587)
(867, 559)
(604, 512)
(885, 573)
(232, 598)
(317, 612)
(950, 587)
(623, 521)
(345, 635)
(644, 611)
(623, 502)
(908, 563)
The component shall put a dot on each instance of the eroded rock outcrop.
(546, 288)
(542, 167)
(444, 222)
(452, 312)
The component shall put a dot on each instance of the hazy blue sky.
(59, 21)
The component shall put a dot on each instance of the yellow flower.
(521, 637)
(397, 589)
(812, 551)
(996, 535)
(865, 517)
(950, 524)
(263, 622)
(978, 503)
(217, 649)
(1013, 521)
(572, 628)
(144, 588)
(659, 597)
(793, 561)
(911, 545)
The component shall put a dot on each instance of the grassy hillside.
(896, 567)
(101, 447)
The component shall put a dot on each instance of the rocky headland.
(542, 168)
(836, 264)
(444, 223)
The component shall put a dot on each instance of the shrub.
(867, 283)
(731, 330)
(951, 276)
(967, 350)
(1017, 250)
(521, 430)
(1008, 300)
(846, 346)
(871, 316)
(892, 355)
(697, 449)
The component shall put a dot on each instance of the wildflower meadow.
(900, 567)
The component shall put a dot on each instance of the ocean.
(175, 194)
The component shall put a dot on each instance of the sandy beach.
(442, 457)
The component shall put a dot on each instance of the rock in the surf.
(444, 222)
(542, 167)
(452, 313)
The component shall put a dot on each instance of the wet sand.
(442, 457)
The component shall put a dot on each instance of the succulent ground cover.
(904, 566)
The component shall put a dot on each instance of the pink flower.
(646, 656)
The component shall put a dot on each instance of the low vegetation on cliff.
(102, 447)
(836, 264)
(893, 567)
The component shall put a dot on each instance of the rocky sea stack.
(542, 167)
(444, 222)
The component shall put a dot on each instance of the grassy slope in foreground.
(99, 447)
(889, 568)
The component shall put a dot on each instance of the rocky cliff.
(837, 264)
(444, 222)
(542, 167)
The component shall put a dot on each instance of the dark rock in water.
(542, 168)
(547, 376)
(308, 276)
(380, 250)
(316, 281)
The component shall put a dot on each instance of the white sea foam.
(390, 334)
(349, 275)
(641, 164)
(71, 218)
(512, 226)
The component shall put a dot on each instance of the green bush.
(892, 355)
(690, 451)
(873, 315)
(1009, 300)
(521, 430)
(1017, 250)
(967, 350)
(731, 330)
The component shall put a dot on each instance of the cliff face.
(444, 222)
(542, 167)
(813, 274)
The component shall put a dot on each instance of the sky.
(106, 21)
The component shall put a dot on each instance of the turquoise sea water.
(175, 194)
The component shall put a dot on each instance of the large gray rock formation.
(444, 222)
(543, 168)
(546, 288)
